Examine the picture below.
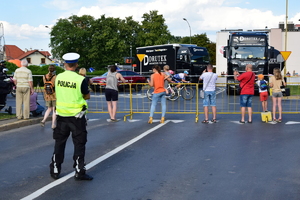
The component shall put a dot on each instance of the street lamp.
(190, 30)
(285, 38)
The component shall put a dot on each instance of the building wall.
(221, 62)
(293, 45)
(36, 59)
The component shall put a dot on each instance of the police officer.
(71, 91)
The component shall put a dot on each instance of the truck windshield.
(246, 52)
(200, 59)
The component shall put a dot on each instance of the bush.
(37, 70)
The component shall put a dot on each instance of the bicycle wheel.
(150, 93)
(173, 96)
(187, 93)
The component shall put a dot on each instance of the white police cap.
(71, 57)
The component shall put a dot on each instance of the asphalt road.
(180, 159)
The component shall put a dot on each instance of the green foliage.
(11, 67)
(107, 40)
(203, 41)
(153, 31)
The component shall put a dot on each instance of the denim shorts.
(246, 100)
(277, 94)
(209, 98)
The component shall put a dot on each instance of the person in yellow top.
(71, 92)
(275, 82)
(157, 81)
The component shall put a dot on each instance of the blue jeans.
(155, 98)
(39, 109)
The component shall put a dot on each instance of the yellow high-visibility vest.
(69, 99)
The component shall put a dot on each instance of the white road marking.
(133, 120)
(93, 163)
(292, 122)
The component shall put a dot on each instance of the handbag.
(202, 91)
(285, 90)
(239, 89)
(282, 87)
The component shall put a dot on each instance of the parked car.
(129, 76)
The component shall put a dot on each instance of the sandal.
(214, 121)
(279, 120)
(42, 123)
(205, 121)
(274, 120)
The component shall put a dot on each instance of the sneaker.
(82, 177)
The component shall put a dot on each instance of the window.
(43, 61)
(28, 60)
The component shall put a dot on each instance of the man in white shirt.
(209, 86)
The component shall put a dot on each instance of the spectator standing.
(209, 86)
(168, 78)
(82, 72)
(71, 92)
(35, 108)
(50, 98)
(157, 81)
(263, 92)
(247, 91)
(24, 84)
(275, 82)
(111, 91)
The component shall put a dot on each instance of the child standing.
(263, 92)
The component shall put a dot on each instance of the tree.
(203, 41)
(72, 35)
(153, 31)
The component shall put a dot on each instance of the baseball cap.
(260, 76)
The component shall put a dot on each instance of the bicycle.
(186, 92)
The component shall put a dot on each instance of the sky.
(24, 22)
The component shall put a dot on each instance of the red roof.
(14, 52)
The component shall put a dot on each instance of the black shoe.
(83, 177)
(55, 176)
(9, 110)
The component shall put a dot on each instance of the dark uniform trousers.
(64, 126)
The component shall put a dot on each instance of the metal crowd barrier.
(133, 99)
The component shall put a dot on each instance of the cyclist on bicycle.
(180, 78)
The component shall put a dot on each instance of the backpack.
(263, 85)
(48, 85)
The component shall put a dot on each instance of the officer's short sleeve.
(84, 87)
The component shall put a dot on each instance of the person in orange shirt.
(157, 81)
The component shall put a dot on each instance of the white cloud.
(205, 16)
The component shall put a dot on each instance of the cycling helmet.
(186, 72)
(171, 72)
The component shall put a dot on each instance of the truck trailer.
(249, 47)
(180, 58)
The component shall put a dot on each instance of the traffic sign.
(285, 54)
(141, 57)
